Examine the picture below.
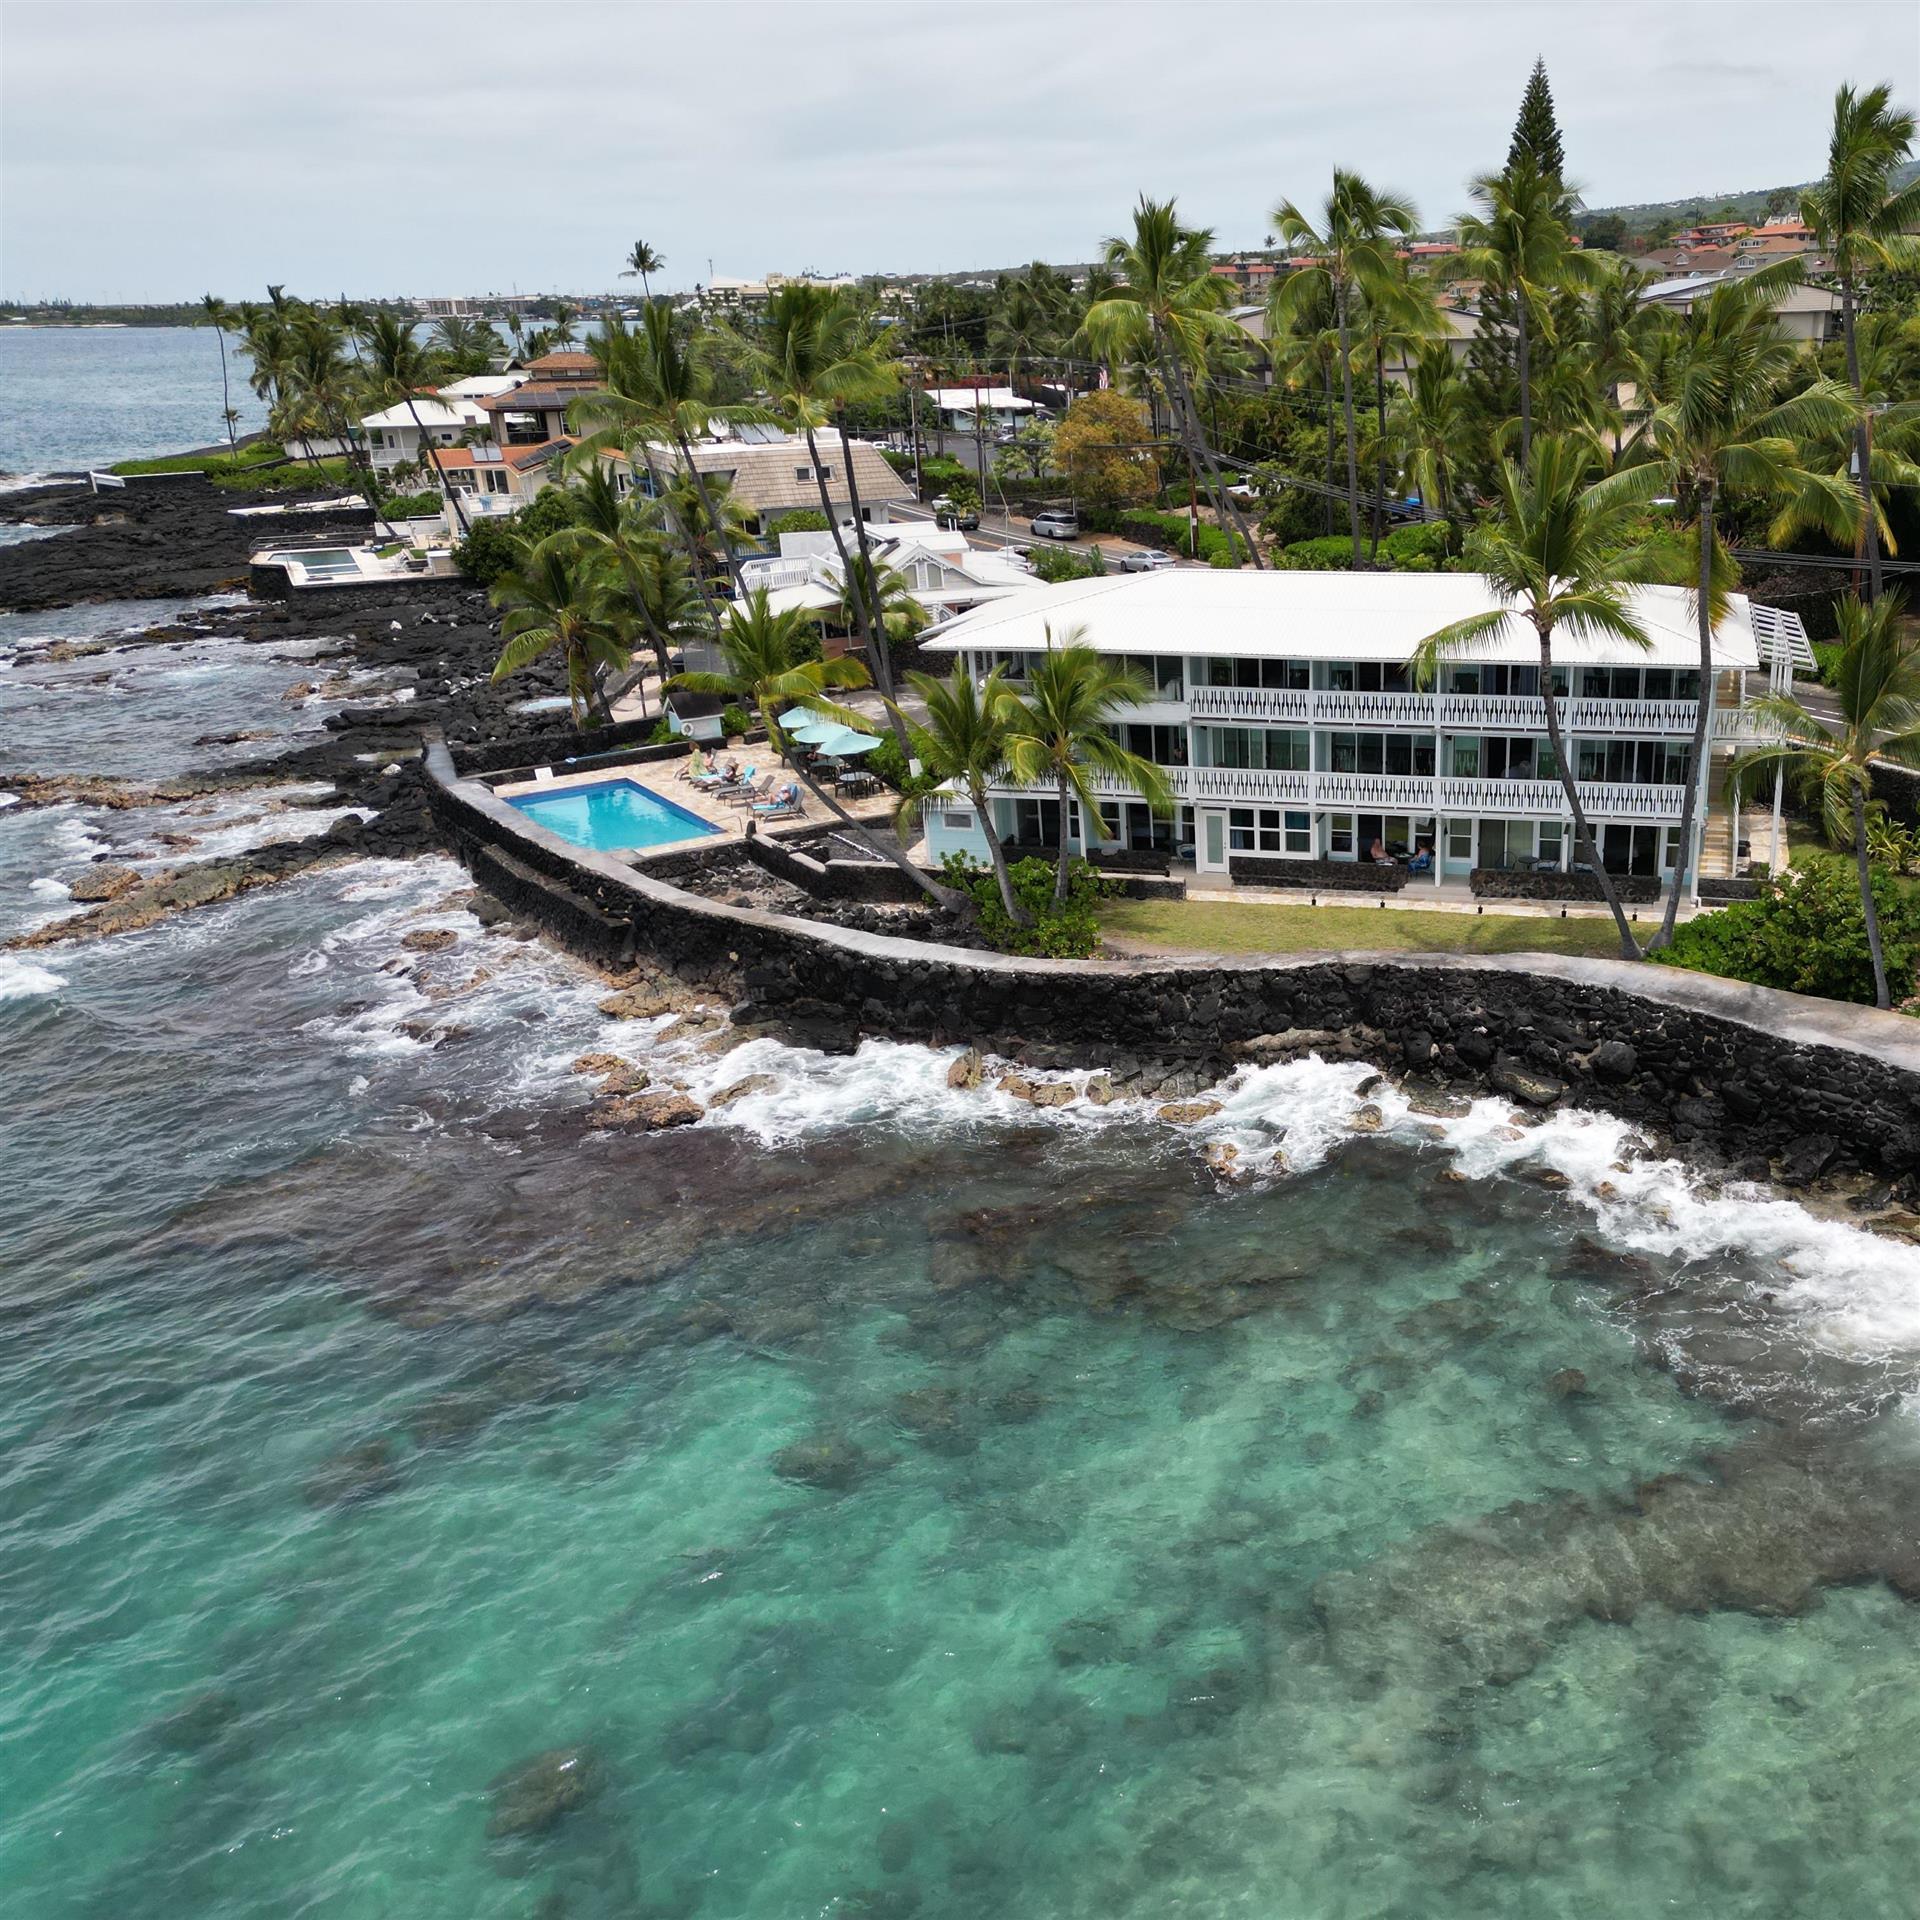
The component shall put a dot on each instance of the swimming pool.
(321, 563)
(611, 816)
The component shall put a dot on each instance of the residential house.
(492, 479)
(944, 573)
(1807, 315)
(1281, 710)
(396, 435)
(956, 408)
(775, 476)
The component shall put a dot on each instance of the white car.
(1147, 560)
(1057, 523)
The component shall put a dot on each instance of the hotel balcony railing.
(1404, 793)
(1467, 712)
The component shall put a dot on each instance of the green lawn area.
(245, 473)
(1201, 925)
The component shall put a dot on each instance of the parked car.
(960, 519)
(1147, 560)
(1057, 523)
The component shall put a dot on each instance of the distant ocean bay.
(84, 396)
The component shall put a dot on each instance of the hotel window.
(1269, 830)
(1548, 834)
(1460, 840)
(1340, 835)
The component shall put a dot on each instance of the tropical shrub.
(1061, 930)
(1054, 564)
(1807, 934)
(800, 520)
(1415, 549)
(411, 506)
(1171, 532)
(490, 549)
(550, 510)
(887, 763)
(736, 721)
(663, 734)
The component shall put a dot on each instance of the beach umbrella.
(816, 731)
(846, 743)
(798, 717)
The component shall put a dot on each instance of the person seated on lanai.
(1422, 861)
(1379, 855)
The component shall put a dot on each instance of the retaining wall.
(1743, 1075)
(1510, 883)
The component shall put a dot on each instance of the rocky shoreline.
(434, 653)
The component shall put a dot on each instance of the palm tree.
(1618, 327)
(888, 592)
(1354, 247)
(641, 261)
(559, 598)
(1303, 336)
(813, 356)
(1877, 682)
(1864, 222)
(1060, 733)
(766, 671)
(1430, 430)
(1518, 243)
(656, 386)
(963, 743)
(1557, 554)
(1164, 308)
(1713, 422)
(396, 368)
(612, 527)
(220, 318)
(564, 315)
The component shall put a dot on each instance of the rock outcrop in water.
(1482, 1603)
(532, 1796)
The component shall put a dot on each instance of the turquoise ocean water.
(884, 1503)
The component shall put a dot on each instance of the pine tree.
(1493, 376)
(1537, 132)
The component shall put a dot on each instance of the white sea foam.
(9, 799)
(23, 980)
(50, 889)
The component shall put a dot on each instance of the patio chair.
(749, 795)
(785, 805)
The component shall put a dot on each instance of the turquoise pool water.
(612, 815)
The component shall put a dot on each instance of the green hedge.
(1415, 549)
(800, 520)
(1807, 934)
(1171, 532)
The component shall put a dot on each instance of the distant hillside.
(1750, 204)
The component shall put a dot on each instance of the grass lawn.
(1200, 925)
(246, 473)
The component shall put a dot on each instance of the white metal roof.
(432, 413)
(968, 399)
(1323, 616)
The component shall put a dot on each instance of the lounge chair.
(785, 805)
(752, 795)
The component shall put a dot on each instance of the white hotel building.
(1284, 715)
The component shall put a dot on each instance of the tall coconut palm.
(220, 318)
(1303, 335)
(1618, 326)
(814, 356)
(658, 386)
(1713, 422)
(395, 369)
(1863, 221)
(613, 527)
(560, 599)
(564, 316)
(1164, 308)
(1558, 556)
(1430, 430)
(766, 671)
(1060, 733)
(642, 260)
(1517, 241)
(1877, 685)
(963, 743)
(1354, 254)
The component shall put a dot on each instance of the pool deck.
(660, 778)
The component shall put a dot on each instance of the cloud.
(156, 150)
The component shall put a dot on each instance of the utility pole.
(913, 418)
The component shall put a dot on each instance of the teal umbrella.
(816, 731)
(845, 743)
(798, 717)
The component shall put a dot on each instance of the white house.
(957, 406)
(395, 435)
(771, 477)
(1282, 711)
(944, 574)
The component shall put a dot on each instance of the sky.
(156, 151)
